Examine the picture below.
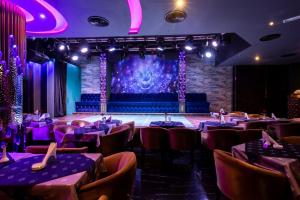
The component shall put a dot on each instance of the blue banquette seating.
(143, 103)
(88, 103)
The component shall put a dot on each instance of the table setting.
(57, 176)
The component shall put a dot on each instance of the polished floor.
(141, 120)
(176, 178)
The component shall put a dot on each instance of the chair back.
(249, 135)
(118, 184)
(222, 139)
(286, 129)
(224, 127)
(44, 149)
(80, 123)
(257, 125)
(239, 180)
(295, 140)
(182, 138)
(114, 142)
(131, 126)
(154, 138)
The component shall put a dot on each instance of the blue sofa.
(196, 103)
(143, 103)
(88, 103)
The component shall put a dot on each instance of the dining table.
(285, 160)
(59, 180)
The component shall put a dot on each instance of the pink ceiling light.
(61, 23)
(136, 16)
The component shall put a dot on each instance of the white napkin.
(223, 119)
(270, 141)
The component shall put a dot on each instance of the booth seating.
(88, 103)
(144, 103)
(196, 103)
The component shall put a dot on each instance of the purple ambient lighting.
(136, 16)
(33, 8)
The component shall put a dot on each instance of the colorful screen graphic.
(151, 74)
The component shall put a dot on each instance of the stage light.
(215, 43)
(257, 58)
(84, 49)
(111, 49)
(42, 16)
(208, 54)
(75, 57)
(271, 23)
(61, 47)
(188, 47)
(160, 48)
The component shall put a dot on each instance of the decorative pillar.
(12, 46)
(182, 82)
(103, 72)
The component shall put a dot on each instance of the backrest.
(222, 139)
(182, 138)
(240, 180)
(295, 140)
(131, 128)
(249, 135)
(154, 138)
(116, 186)
(80, 123)
(287, 129)
(44, 149)
(64, 128)
(257, 125)
(114, 142)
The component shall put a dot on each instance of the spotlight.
(215, 43)
(111, 49)
(257, 58)
(271, 23)
(188, 47)
(189, 43)
(61, 47)
(75, 57)
(208, 54)
(180, 3)
(160, 48)
(84, 50)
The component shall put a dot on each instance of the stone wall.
(216, 82)
(90, 77)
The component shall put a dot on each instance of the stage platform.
(142, 119)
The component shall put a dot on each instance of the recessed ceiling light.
(214, 43)
(208, 54)
(257, 58)
(271, 23)
(180, 3)
(42, 16)
(270, 37)
(62, 47)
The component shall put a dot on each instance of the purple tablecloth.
(203, 125)
(20, 173)
(167, 124)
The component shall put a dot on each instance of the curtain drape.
(60, 80)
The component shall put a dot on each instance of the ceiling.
(247, 18)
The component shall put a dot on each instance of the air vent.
(175, 16)
(270, 37)
(98, 21)
(288, 55)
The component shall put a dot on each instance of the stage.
(142, 120)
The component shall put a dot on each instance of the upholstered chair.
(131, 126)
(249, 135)
(181, 139)
(285, 129)
(44, 149)
(114, 142)
(80, 123)
(238, 180)
(291, 140)
(257, 125)
(222, 139)
(117, 185)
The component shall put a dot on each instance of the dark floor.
(177, 179)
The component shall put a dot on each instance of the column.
(182, 82)
(103, 73)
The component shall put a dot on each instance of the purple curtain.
(60, 81)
